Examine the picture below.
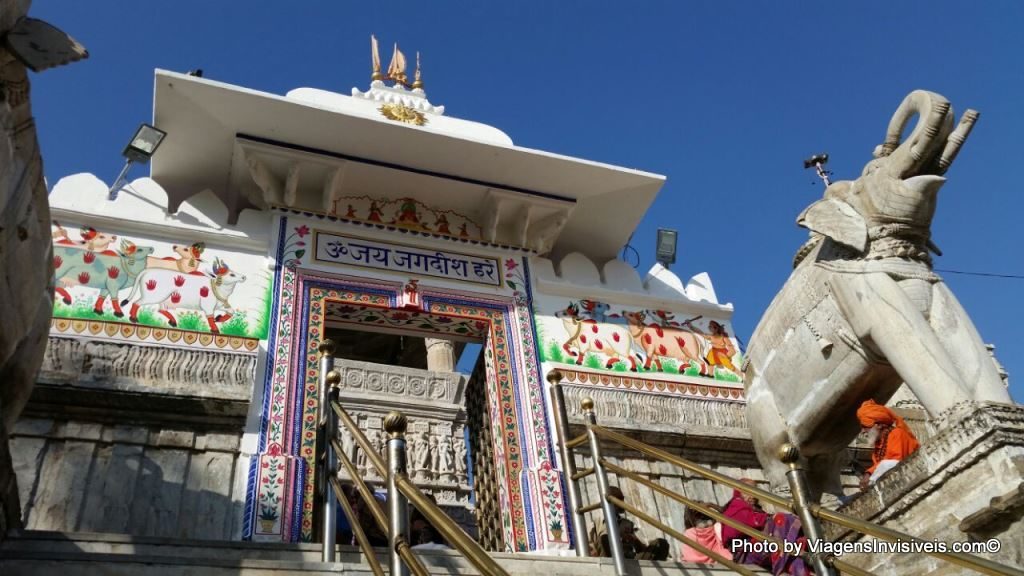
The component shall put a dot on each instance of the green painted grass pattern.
(241, 324)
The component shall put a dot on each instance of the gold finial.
(554, 377)
(789, 453)
(333, 378)
(326, 347)
(395, 424)
(418, 82)
(375, 59)
(587, 404)
(396, 70)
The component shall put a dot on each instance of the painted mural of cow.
(91, 238)
(589, 332)
(187, 260)
(665, 341)
(171, 290)
(108, 271)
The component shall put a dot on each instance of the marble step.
(36, 553)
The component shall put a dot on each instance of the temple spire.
(396, 70)
(375, 58)
(418, 82)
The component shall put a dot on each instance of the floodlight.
(666, 249)
(140, 149)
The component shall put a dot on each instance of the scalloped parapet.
(143, 204)
(415, 98)
(576, 275)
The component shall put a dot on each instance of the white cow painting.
(170, 290)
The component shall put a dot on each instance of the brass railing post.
(579, 524)
(611, 519)
(789, 455)
(329, 380)
(398, 506)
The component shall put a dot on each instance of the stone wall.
(133, 439)
(75, 475)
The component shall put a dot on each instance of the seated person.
(893, 440)
(422, 531)
(365, 519)
(426, 538)
(706, 532)
(632, 545)
(745, 510)
(788, 527)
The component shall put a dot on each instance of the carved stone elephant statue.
(863, 311)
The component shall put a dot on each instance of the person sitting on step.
(893, 441)
(703, 530)
(632, 545)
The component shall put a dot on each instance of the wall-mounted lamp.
(140, 149)
(666, 251)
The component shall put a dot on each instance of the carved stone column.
(440, 355)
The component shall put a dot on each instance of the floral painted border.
(703, 391)
(518, 412)
(94, 329)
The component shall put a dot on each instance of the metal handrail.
(577, 441)
(977, 563)
(364, 491)
(364, 444)
(401, 489)
(709, 512)
(679, 536)
(983, 565)
(357, 530)
(808, 512)
(469, 548)
(659, 454)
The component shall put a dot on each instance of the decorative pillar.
(440, 355)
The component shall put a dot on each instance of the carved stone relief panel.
(436, 452)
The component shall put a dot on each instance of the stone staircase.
(36, 553)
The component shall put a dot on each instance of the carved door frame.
(279, 485)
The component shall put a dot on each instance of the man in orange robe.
(893, 439)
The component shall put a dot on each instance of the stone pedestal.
(965, 484)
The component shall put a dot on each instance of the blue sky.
(724, 98)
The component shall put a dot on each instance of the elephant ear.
(837, 220)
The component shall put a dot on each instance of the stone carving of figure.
(347, 442)
(435, 455)
(376, 438)
(445, 458)
(360, 460)
(460, 459)
(423, 457)
(412, 454)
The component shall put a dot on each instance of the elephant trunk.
(917, 152)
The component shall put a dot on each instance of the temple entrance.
(440, 406)
(440, 384)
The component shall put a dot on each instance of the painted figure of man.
(722, 348)
(893, 440)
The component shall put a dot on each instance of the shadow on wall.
(87, 477)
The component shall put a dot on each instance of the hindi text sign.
(338, 249)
